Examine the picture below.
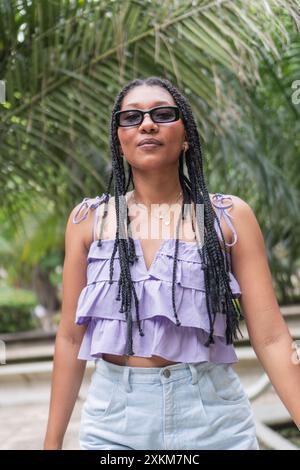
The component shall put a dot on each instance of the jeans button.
(167, 373)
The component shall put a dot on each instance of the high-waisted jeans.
(182, 406)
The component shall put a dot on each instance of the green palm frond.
(64, 62)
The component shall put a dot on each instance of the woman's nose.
(147, 121)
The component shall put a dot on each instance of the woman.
(159, 314)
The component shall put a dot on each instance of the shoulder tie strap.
(218, 203)
(87, 204)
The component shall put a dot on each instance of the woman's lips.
(149, 146)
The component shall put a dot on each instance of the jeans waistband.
(165, 374)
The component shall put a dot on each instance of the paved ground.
(24, 411)
(23, 418)
(25, 427)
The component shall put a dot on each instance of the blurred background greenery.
(63, 62)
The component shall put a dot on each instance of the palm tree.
(64, 61)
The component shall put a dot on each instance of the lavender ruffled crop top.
(106, 331)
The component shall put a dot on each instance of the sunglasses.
(134, 117)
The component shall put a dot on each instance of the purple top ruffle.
(107, 327)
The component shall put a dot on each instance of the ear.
(185, 145)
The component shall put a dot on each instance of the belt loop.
(126, 379)
(194, 373)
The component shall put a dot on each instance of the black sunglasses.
(134, 117)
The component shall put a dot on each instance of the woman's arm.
(68, 371)
(66, 380)
(268, 332)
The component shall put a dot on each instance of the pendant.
(166, 222)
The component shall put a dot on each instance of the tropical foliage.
(63, 62)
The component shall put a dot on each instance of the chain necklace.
(161, 216)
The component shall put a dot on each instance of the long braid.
(219, 297)
(186, 200)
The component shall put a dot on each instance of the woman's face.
(171, 134)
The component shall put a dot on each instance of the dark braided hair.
(219, 297)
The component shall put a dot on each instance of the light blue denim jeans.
(181, 406)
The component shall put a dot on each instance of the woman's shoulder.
(235, 214)
(81, 211)
(230, 202)
(82, 217)
(222, 200)
(245, 222)
(238, 208)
